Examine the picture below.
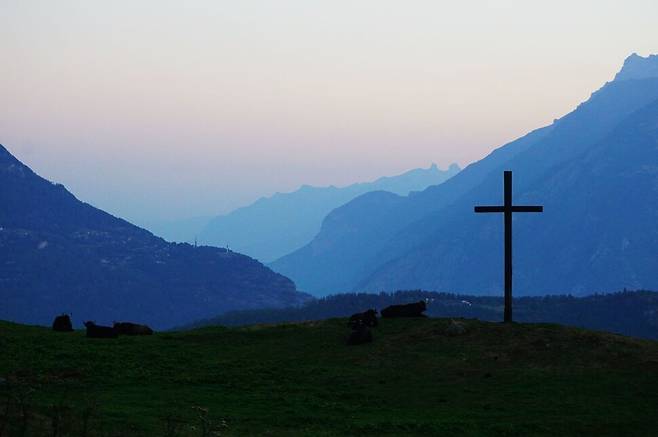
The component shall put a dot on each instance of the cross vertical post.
(507, 209)
(508, 245)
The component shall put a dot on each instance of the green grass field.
(301, 379)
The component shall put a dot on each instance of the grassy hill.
(301, 379)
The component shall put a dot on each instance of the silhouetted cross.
(508, 209)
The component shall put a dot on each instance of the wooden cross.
(508, 209)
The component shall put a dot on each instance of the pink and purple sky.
(169, 109)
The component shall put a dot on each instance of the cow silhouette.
(62, 323)
(97, 331)
(409, 310)
(367, 318)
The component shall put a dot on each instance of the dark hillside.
(59, 254)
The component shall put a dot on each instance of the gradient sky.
(171, 109)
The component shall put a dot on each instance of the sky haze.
(162, 109)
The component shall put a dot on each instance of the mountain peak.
(451, 170)
(638, 67)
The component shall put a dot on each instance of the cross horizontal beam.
(507, 208)
(501, 208)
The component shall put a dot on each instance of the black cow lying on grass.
(408, 310)
(96, 331)
(128, 328)
(360, 335)
(63, 323)
(366, 318)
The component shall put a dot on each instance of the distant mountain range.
(595, 170)
(275, 226)
(58, 254)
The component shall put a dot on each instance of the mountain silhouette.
(59, 254)
(595, 170)
(274, 226)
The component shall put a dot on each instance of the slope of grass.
(301, 379)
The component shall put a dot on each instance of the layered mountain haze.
(59, 254)
(596, 172)
(274, 226)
